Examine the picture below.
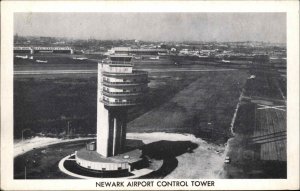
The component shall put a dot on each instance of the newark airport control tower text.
(119, 86)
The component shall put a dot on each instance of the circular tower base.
(123, 162)
(90, 164)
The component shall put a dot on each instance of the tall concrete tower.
(119, 87)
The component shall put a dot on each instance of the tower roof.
(121, 58)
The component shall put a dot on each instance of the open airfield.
(258, 148)
(188, 106)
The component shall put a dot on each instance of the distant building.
(141, 51)
(38, 49)
(184, 51)
(163, 46)
(27, 50)
(207, 52)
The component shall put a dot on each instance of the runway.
(30, 72)
(39, 72)
(188, 70)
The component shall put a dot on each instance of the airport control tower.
(119, 86)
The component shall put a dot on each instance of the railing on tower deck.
(134, 73)
(136, 83)
(127, 103)
(108, 93)
(120, 63)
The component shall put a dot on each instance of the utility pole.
(23, 133)
(68, 128)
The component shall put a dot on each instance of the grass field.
(204, 107)
(258, 149)
(188, 100)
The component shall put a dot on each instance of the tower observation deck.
(119, 87)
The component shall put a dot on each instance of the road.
(30, 72)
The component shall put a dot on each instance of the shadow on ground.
(166, 151)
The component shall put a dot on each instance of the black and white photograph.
(165, 96)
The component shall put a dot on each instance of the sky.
(222, 27)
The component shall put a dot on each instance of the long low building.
(140, 51)
(28, 50)
(39, 49)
